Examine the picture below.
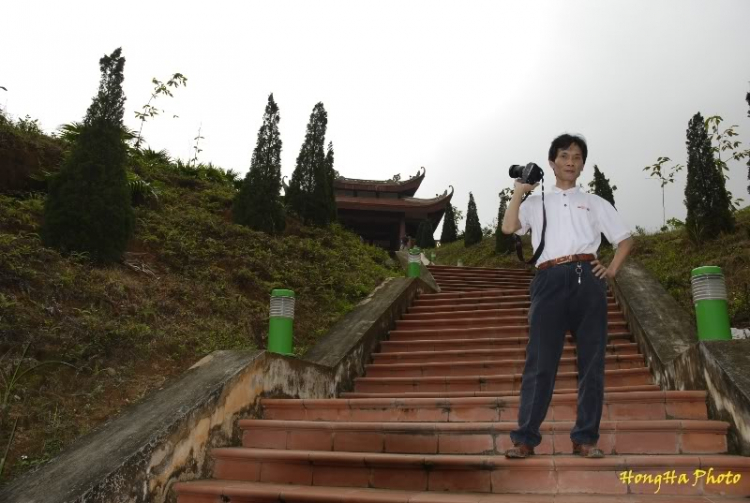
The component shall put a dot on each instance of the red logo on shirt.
(580, 207)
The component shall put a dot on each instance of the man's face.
(568, 164)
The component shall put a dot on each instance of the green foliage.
(160, 89)
(723, 142)
(449, 232)
(88, 208)
(310, 193)
(191, 282)
(665, 176)
(601, 187)
(425, 237)
(747, 98)
(258, 203)
(331, 175)
(29, 126)
(481, 255)
(473, 230)
(708, 203)
(504, 244)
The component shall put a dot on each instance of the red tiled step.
(486, 284)
(485, 270)
(454, 394)
(496, 293)
(616, 437)
(614, 313)
(468, 278)
(423, 303)
(497, 331)
(486, 367)
(489, 382)
(458, 355)
(480, 274)
(429, 300)
(523, 305)
(487, 342)
(216, 491)
(475, 473)
(479, 322)
(631, 405)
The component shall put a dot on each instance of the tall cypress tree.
(747, 98)
(307, 195)
(600, 186)
(258, 202)
(504, 243)
(88, 206)
(706, 197)
(330, 177)
(450, 231)
(425, 232)
(473, 230)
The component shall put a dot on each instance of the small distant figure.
(404, 242)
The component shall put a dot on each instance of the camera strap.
(540, 248)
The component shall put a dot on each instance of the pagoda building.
(382, 212)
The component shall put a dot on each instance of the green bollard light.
(281, 322)
(415, 263)
(710, 301)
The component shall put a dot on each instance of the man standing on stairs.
(569, 292)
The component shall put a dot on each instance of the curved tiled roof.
(411, 185)
(404, 204)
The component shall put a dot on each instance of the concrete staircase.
(429, 422)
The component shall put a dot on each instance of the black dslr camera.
(531, 173)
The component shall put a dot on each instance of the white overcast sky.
(464, 88)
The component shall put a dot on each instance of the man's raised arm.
(511, 223)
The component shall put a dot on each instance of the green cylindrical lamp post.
(710, 301)
(281, 322)
(415, 263)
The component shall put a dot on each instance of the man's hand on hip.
(601, 271)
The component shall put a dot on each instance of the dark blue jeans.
(559, 304)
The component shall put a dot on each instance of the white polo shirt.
(575, 222)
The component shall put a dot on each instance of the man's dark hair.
(563, 142)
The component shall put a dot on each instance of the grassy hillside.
(669, 256)
(192, 282)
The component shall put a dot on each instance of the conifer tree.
(425, 237)
(706, 197)
(449, 232)
(330, 177)
(473, 230)
(258, 203)
(601, 187)
(88, 206)
(747, 98)
(504, 243)
(308, 195)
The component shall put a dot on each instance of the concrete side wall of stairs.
(667, 337)
(138, 456)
